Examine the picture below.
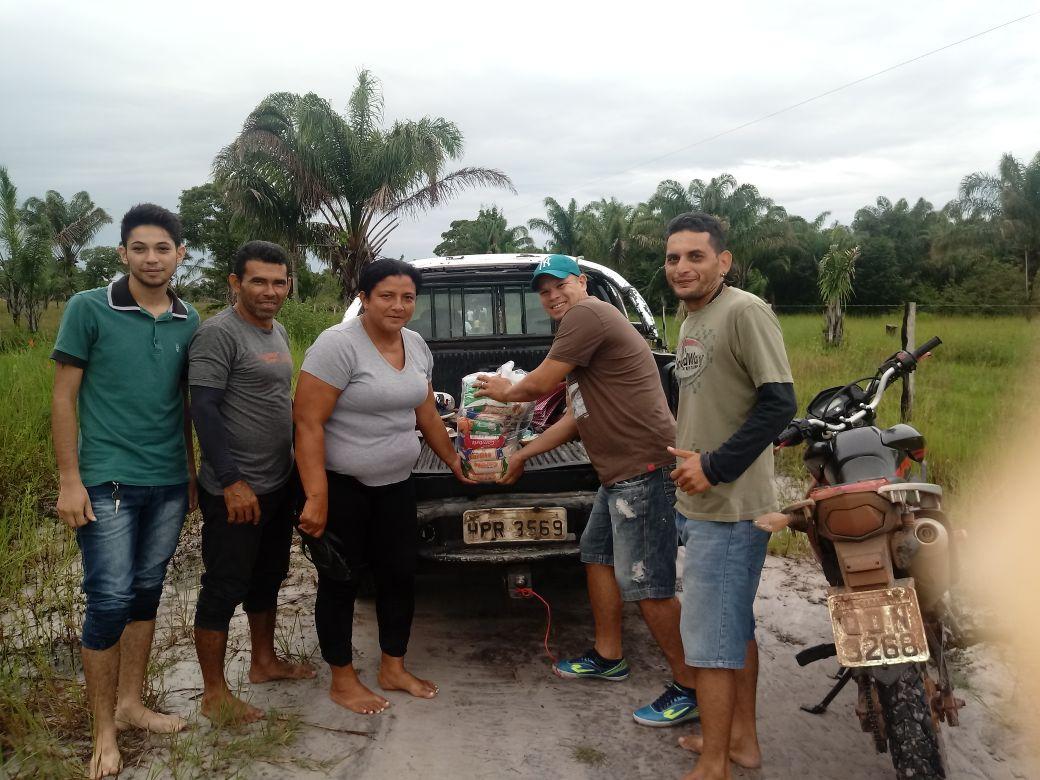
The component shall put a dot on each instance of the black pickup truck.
(477, 312)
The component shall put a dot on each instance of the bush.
(304, 321)
(992, 288)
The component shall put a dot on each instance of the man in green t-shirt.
(735, 396)
(126, 469)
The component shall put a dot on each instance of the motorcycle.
(889, 554)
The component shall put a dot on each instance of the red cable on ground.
(528, 593)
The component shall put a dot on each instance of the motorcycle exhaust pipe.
(930, 565)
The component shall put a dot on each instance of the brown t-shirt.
(614, 391)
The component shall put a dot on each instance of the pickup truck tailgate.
(570, 454)
(561, 470)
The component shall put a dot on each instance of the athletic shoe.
(592, 665)
(676, 705)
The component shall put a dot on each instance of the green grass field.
(966, 397)
(963, 392)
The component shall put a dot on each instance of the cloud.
(131, 103)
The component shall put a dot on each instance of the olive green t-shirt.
(725, 352)
(130, 405)
(614, 391)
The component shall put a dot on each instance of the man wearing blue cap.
(617, 406)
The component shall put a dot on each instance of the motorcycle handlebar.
(900, 364)
(789, 436)
(927, 347)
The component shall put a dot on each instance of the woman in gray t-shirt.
(363, 388)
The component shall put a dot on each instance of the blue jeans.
(125, 554)
(631, 527)
(721, 572)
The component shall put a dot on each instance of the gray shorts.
(632, 528)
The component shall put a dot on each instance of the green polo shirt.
(131, 414)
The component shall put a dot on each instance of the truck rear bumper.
(496, 554)
(578, 500)
(440, 528)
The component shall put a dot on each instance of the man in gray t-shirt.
(240, 373)
(254, 368)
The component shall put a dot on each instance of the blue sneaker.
(676, 705)
(592, 665)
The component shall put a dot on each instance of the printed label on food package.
(487, 466)
(476, 456)
(470, 426)
(470, 442)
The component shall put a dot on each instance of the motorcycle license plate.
(878, 627)
(526, 524)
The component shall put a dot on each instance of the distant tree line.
(979, 251)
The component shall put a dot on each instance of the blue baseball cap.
(560, 266)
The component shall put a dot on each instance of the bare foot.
(702, 774)
(748, 755)
(223, 709)
(106, 760)
(138, 716)
(394, 677)
(279, 669)
(348, 691)
(359, 699)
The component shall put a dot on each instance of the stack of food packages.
(489, 431)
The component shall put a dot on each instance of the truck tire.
(913, 737)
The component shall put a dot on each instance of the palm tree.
(73, 223)
(755, 225)
(341, 182)
(837, 270)
(1010, 201)
(607, 232)
(561, 225)
(26, 258)
(488, 233)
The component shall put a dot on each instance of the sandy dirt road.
(502, 714)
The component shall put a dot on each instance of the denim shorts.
(721, 572)
(632, 528)
(125, 554)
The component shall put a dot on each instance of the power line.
(806, 101)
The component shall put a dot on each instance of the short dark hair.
(375, 271)
(264, 251)
(699, 222)
(150, 214)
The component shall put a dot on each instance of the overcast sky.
(131, 101)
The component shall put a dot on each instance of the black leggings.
(378, 530)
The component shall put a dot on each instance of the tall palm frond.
(343, 181)
(561, 225)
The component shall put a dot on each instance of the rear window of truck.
(448, 313)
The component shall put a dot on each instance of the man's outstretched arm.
(541, 381)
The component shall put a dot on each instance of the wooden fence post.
(906, 403)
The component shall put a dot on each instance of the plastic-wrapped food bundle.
(489, 430)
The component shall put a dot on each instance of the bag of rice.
(490, 430)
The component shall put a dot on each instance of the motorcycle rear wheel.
(914, 740)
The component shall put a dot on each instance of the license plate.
(878, 627)
(527, 524)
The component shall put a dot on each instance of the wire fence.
(1027, 310)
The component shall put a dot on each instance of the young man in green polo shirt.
(120, 360)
